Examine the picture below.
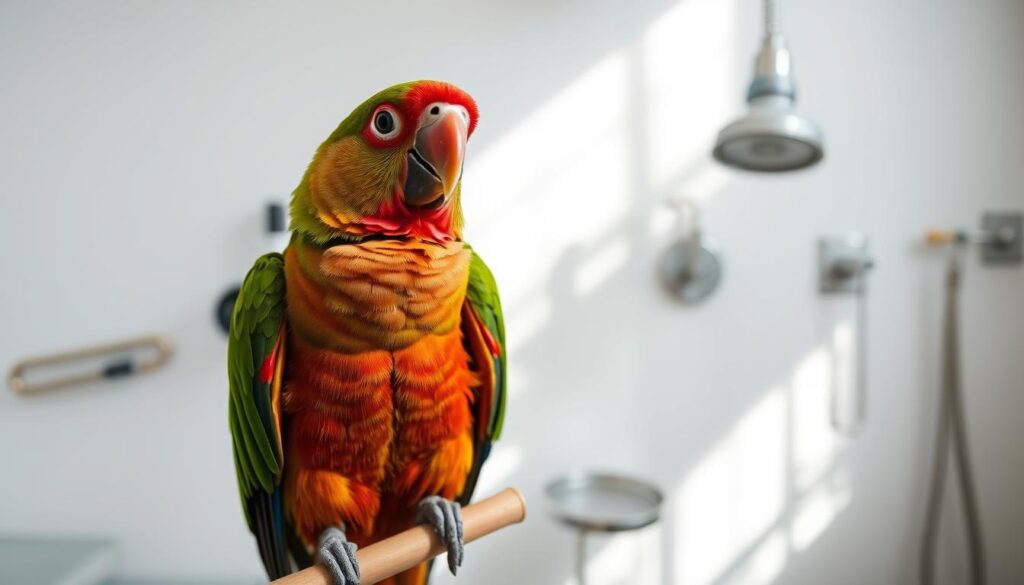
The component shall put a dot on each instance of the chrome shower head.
(772, 137)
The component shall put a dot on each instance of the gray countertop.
(56, 561)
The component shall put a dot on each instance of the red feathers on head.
(428, 92)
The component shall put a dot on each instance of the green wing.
(255, 362)
(483, 329)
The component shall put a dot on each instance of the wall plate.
(842, 262)
(1008, 231)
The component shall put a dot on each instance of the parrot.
(367, 363)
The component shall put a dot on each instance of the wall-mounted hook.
(276, 218)
(690, 268)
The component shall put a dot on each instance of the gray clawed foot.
(446, 518)
(338, 556)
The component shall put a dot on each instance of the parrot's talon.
(446, 518)
(338, 556)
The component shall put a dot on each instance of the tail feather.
(268, 527)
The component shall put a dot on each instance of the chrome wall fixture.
(691, 268)
(843, 265)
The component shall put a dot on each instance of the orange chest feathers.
(378, 388)
(379, 294)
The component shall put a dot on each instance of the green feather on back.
(255, 327)
(482, 294)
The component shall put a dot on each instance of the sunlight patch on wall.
(557, 179)
(630, 558)
(844, 382)
(530, 317)
(819, 508)
(813, 435)
(733, 495)
(502, 463)
(518, 378)
(699, 186)
(662, 221)
(592, 192)
(764, 563)
(769, 489)
(689, 74)
(703, 183)
(549, 136)
(600, 265)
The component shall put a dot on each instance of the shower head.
(772, 137)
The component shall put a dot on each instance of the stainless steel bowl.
(603, 502)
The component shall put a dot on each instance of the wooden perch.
(405, 550)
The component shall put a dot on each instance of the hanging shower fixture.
(772, 136)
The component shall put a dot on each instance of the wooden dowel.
(405, 550)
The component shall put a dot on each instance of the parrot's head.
(392, 168)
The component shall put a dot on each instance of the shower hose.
(952, 429)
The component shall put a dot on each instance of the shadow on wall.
(753, 477)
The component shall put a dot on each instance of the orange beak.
(435, 159)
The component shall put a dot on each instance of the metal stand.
(601, 503)
(581, 556)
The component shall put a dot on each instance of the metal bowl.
(603, 502)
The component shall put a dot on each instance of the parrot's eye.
(386, 123)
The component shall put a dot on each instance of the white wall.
(140, 140)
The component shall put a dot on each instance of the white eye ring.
(385, 123)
